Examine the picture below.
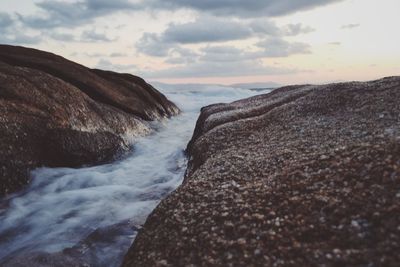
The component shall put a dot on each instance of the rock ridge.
(302, 176)
(57, 113)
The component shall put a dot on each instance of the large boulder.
(54, 112)
(303, 176)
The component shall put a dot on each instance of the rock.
(94, 250)
(297, 154)
(54, 112)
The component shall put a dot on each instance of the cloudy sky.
(215, 41)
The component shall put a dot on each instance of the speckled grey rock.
(303, 176)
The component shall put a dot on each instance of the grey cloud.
(206, 29)
(76, 13)
(335, 43)
(296, 29)
(153, 45)
(265, 27)
(224, 60)
(71, 14)
(10, 33)
(19, 38)
(65, 37)
(277, 47)
(180, 55)
(350, 26)
(110, 5)
(269, 28)
(5, 20)
(248, 8)
(93, 36)
(86, 36)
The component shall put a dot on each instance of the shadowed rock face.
(303, 176)
(55, 112)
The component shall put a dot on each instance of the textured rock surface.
(55, 112)
(303, 176)
(94, 250)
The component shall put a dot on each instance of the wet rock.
(94, 250)
(303, 176)
(54, 112)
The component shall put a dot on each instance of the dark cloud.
(76, 13)
(71, 14)
(350, 26)
(240, 8)
(108, 5)
(206, 29)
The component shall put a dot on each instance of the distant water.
(97, 210)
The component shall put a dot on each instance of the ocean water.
(94, 213)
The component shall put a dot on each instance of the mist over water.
(98, 210)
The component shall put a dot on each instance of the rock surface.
(54, 112)
(303, 176)
(94, 250)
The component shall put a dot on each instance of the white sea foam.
(62, 206)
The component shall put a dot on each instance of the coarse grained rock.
(54, 112)
(302, 176)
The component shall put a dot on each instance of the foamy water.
(98, 210)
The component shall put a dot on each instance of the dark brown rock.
(303, 176)
(54, 112)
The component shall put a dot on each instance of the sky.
(215, 41)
